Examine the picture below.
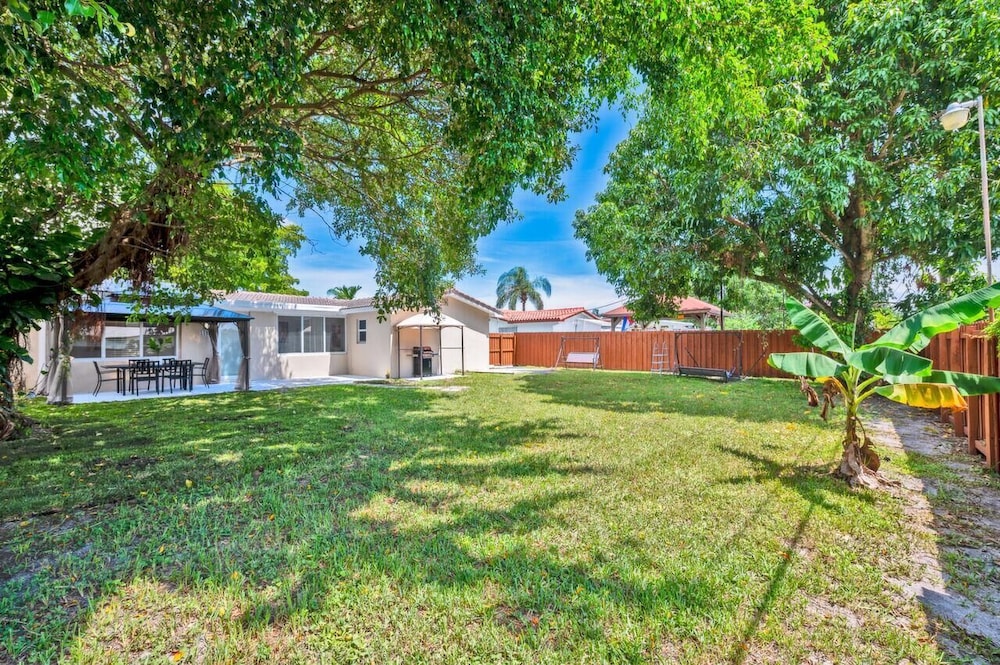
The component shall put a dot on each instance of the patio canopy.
(120, 311)
(428, 320)
(210, 315)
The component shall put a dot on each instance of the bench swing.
(703, 362)
(579, 352)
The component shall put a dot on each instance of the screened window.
(312, 334)
(289, 334)
(122, 340)
(87, 342)
(362, 331)
(335, 337)
(159, 341)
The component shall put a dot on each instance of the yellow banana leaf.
(925, 395)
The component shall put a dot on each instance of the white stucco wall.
(267, 363)
(377, 355)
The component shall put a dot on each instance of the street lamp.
(955, 117)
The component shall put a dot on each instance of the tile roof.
(618, 312)
(686, 306)
(474, 301)
(358, 303)
(281, 298)
(533, 316)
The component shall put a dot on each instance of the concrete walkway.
(200, 390)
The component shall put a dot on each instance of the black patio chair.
(104, 375)
(143, 371)
(201, 369)
(177, 371)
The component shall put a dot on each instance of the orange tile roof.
(686, 306)
(537, 315)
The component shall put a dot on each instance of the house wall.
(477, 337)
(447, 360)
(377, 356)
(267, 363)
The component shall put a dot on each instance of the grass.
(568, 517)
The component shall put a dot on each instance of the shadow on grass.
(302, 492)
(644, 393)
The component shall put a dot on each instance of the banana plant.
(889, 366)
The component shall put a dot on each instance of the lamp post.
(955, 117)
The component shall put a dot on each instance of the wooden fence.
(964, 350)
(745, 350)
(502, 348)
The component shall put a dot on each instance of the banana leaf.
(925, 395)
(806, 364)
(814, 328)
(967, 384)
(914, 333)
(887, 360)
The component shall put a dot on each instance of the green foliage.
(892, 358)
(841, 183)
(407, 125)
(344, 292)
(749, 304)
(515, 286)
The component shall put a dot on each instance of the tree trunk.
(859, 463)
(8, 417)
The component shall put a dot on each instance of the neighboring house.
(568, 319)
(691, 313)
(290, 337)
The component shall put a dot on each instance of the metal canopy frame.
(441, 347)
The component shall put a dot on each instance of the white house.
(287, 337)
(568, 319)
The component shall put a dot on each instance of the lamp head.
(955, 116)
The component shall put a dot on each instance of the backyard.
(566, 517)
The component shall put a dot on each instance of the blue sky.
(542, 241)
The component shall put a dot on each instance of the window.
(362, 331)
(312, 334)
(87, 342)
(508, 329)
(122, 340)
(289, 334)
(335, 337)
(159, 341)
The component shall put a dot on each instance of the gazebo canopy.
(430, 321)
(120, 311)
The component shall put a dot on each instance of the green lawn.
(563, 518)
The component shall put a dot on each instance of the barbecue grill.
(422, 361)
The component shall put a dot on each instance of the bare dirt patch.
(954, 509)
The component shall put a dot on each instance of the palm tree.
(515, 285)
(343, 292)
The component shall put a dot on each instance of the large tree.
(844, 185)
(409, 125)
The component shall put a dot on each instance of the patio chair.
(104, 375)
(143, 371)
(201, 369)
(174, 371)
